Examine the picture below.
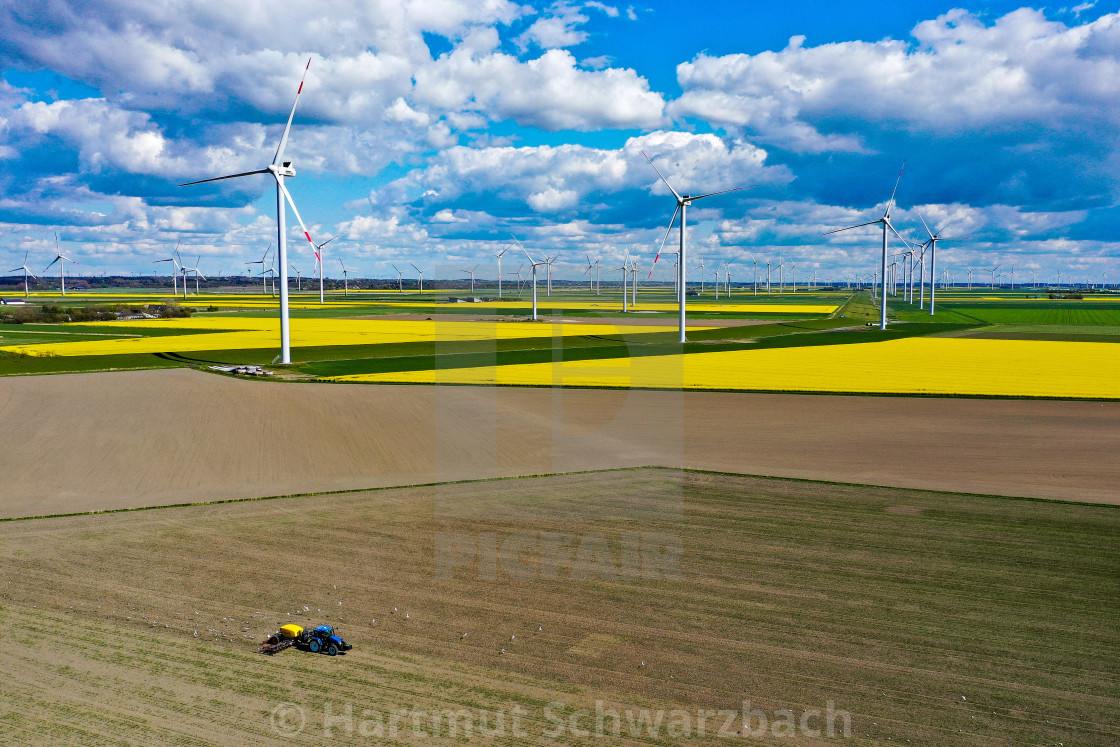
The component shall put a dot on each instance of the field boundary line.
(605, 470)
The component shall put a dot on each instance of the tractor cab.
(323, 638)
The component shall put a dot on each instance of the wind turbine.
(683, 201)
(885, 221)
(197, 274)
(998, 266)
(781, 276)
(548, 271)
(633, 278)
(702, 276)
(625, 298)
(499, 256)
(319, 259)
(589, 274)
(299, 282)
(471, 273)
(62, 259)
(261, 262)
(934, 237)
(421, 272)
(519, 279)
(26, 273)
(345, 278)
(535, 264)
(174, 275)
(280, 170)
(400, 279)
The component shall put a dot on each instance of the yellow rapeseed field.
(921, 365)
(236, 333)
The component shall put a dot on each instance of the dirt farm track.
(127, 439)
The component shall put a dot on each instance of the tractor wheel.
(314, 645)
(332, 650)
(272, 640)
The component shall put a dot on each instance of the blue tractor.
(323, 639)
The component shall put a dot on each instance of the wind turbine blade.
(288, 197)
(52, 263)
(849, 228)
(416, 268)
(951, 222)
(288, 126)
(667, 184)
(663, 240)
(228, 176)
(926, 225)
(721, 192)
(895, 190)
(900, 237)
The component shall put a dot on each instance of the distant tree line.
(56, 314)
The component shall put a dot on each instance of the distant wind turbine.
(535, 264)
(885, 222)
(421, 273)
(319, 260)
(62, 259)
(26, 273)
(683, 201)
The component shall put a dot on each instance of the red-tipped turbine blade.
(288, 126)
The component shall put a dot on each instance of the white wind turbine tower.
(400, 279)
(683, 201)
(299, 279)
(625, 298)
(196, 272)
(262, 261)
(768, 271)
(934, 237)
(534, 264)
(174, 259)
(597, 287)
(885, 221)
(781, 275)
(345, 277)
(62, 259)
(471, 273)
(319, 261)
(519, 279)
(421, 273)
(499, 257)
(548, 271)
(590, 274)
(999, 266)
(702, 276)
(633, 278)
(26, 273)
(280, 170)
(794, 269)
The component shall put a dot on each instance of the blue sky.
(430, 130)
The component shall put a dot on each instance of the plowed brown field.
(125, 439)
(926, 617)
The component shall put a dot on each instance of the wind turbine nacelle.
(285, 169)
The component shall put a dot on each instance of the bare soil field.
(100, 441)
(927, 618)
